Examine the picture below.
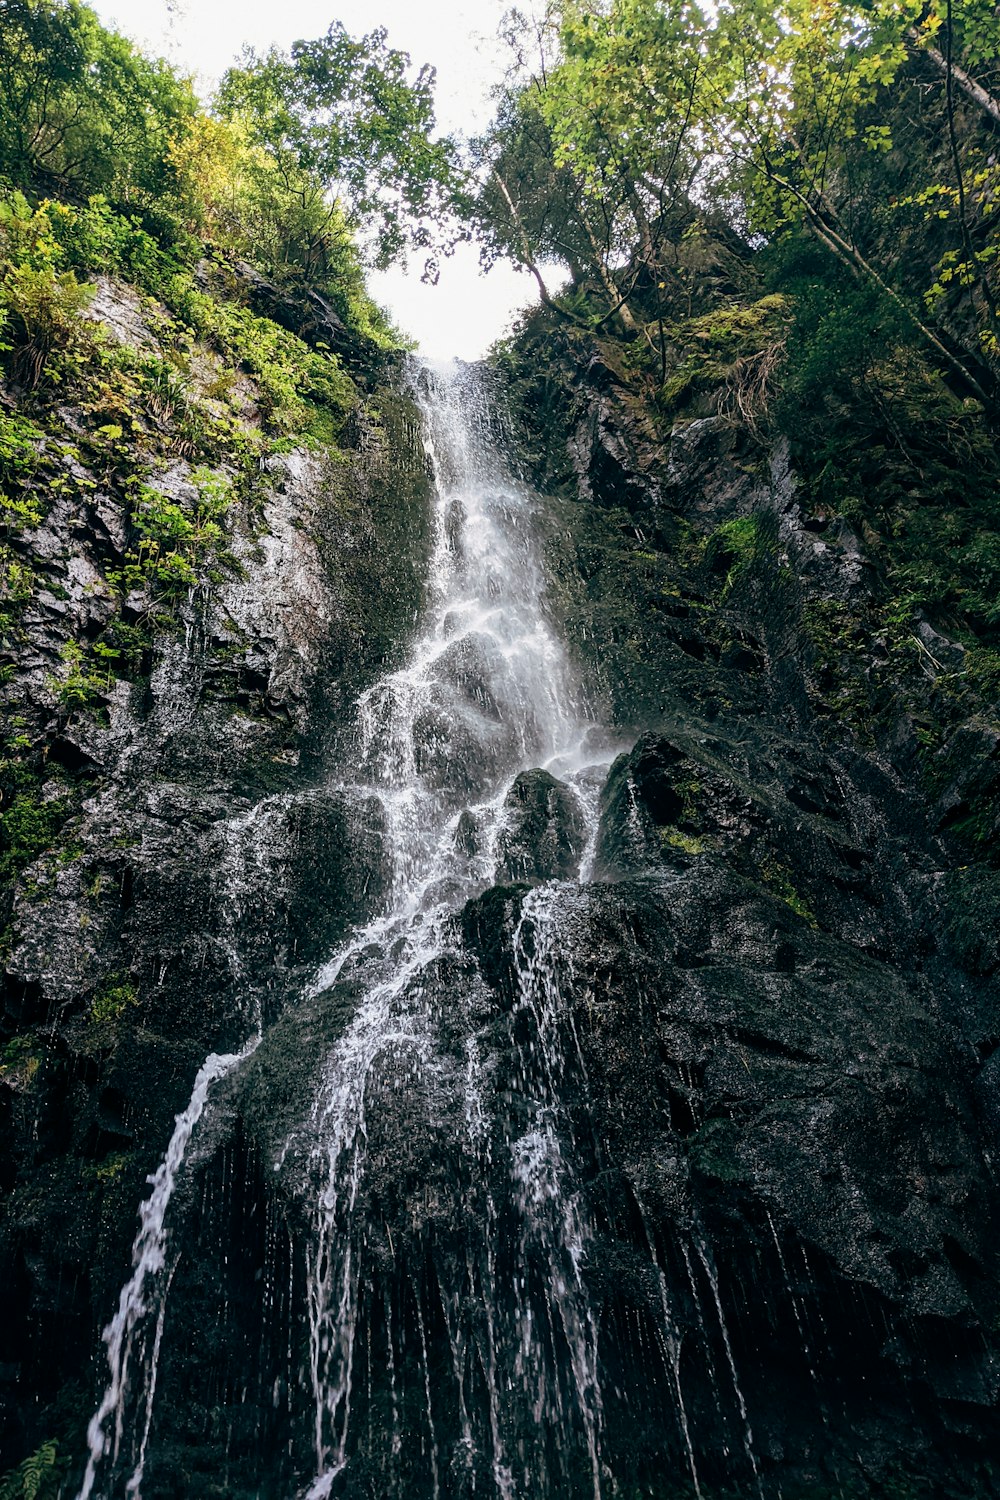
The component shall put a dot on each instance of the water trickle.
(125, 1334)
(708, 1266)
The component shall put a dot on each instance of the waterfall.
(125, 1335)
(487, 693)
(442, 1338)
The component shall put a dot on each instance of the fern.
(37, 1478)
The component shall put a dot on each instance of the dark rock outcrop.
(543, 833)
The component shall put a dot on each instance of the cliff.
(196, 587)
(715, 1112)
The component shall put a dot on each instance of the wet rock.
(122, 313)
(640, 798)
(275, 616)
(460, 750)
(794, 1074)
(944, 654)
(474, 664)
(543, 830)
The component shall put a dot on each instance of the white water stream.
(442, 745)
(125, 1335)
(487, 692)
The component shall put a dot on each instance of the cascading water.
(442, 1340)
(487, 693)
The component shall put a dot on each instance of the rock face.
(198, 845)
(747, 1074)
(794, 942)
(790, 1122)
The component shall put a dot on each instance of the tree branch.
(950, 69)
(527, 255)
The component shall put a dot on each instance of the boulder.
(543, 832)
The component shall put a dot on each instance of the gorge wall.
(732, 999)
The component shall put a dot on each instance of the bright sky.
(466, 311)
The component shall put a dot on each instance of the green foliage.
(28, 825)
(341, 118)
(39, 303)
(840, 334)
(592, 148)
(113, 1001)
(19, 441)
(176, 539)
(80, 106)
(84, 114)
(880, 439)
(288, 373)
(39, 1477)
(783, 120)
(42, 309)
(126, 646)
(116, 384)
(735, 545)
(20, 1061)
(17, 585)
(268, 210)
(79, 684)
(95, 236)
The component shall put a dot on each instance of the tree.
(80, 108)
(591, 157)
(342, 121)
(801, 100)
(620, 107)
(782, 115)
(43, 59)
(528, 207)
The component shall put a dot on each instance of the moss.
(28, 827)
(778, 879)
(112, 1002)
(714, 1150)
(983, 671)
(687, 843)
(727, 359)
(735, 545)
(20, 1061)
